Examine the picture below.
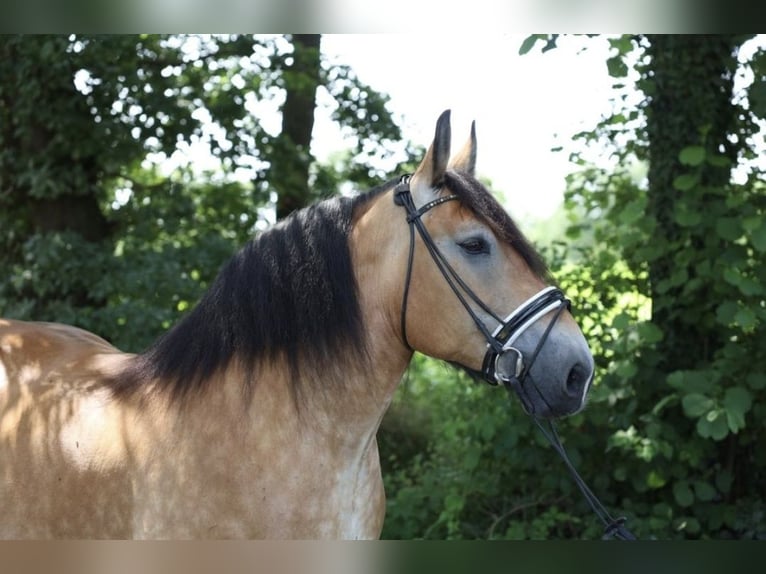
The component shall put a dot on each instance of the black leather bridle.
(503, 363)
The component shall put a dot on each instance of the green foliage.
(482, 474)
(664, 265)
(92, 231)
(549, 42)
(683, 454)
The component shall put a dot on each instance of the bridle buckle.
(503, 372)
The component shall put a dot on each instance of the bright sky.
(523, 105)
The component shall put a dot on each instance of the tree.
(676, 261)
(63, 149)
(290, 167)
(93, 231)
(697, 71)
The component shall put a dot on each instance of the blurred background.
(133, 166)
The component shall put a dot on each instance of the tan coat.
(78, 461)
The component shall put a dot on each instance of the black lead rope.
(613, 527)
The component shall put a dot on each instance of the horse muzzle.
(550, 378)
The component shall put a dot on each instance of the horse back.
(64, 468)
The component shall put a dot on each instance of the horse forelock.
(477, 198)
(288, 297)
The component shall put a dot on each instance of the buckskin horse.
(256, 415)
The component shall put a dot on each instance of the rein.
(503, 363)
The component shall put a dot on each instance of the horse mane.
(289, 294)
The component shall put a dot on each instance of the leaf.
(728, 228)
(623, 44)
(718, 160)
(692, 155)
(738, 399)
(529, 43)
(685, 182)
(735, 421)
(758, 237)
(752, 223)
(550, 42)
(731, 277)
(714, 425)
(683, 493)
(454, 502)
(650, 333)
(621, 321)
(676, 379)
(626, 370)
(725, 312)
(632, 212)
(757, 96)
(616, 67)
(655, 480)
(687, 217)
(747, 285)
(704, 491)
(690, 525)
(745, 318)
(699, 382)
(696, 404)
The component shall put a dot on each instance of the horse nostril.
(577, 379)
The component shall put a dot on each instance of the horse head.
(475, 291)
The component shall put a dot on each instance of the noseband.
(503, 363)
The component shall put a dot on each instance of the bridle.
(503, 363)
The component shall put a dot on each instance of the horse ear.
(465, 160)
(431, 170)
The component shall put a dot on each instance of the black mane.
(289, 294)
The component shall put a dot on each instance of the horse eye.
(475, 246)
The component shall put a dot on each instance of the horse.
(255, 416)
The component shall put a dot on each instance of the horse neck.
(352, 396)
(343, 415)
(379, 261)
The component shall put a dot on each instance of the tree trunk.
(690, 104)
(292, 158)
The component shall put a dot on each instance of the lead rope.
(613, 527)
